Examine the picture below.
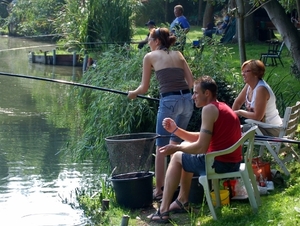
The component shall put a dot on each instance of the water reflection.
(36, 178)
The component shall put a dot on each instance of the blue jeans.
(196, 164)
(177, 107)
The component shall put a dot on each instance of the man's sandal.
(183, 208)
(160, 217)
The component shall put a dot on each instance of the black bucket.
(196, 191)
(133, 190)
(130, 152)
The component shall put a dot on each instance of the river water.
(37, 180)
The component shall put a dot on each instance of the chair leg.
(254, 186)
(261, 150)
(217, 192)
(280, 61)
(265, 60)
(250, 191)
(277, 159)
(203, 181)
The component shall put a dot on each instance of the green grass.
(280, 207)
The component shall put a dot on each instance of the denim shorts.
(177, 107)
(196, 164)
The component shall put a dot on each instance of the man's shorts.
(196, 164)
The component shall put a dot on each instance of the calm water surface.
(36, 178)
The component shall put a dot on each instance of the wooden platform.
(61, 59)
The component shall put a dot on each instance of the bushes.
(111, 114)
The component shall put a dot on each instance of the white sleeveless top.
(271, 114)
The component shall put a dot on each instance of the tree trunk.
(286, 29)
(249, 25)
(166, 10)
(298, 9)
(208, 14)
(240, 27)
(199, 17)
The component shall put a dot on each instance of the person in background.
(220, 129)
(209, 30)
(222, 26)
(258, 97)
(175, 81)
(151, 25)
(180, 27)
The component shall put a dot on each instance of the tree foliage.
(104, 21)
(33, 17)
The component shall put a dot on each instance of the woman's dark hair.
(163, 34)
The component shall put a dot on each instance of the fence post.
(54, 56)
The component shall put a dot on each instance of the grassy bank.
(279, 207)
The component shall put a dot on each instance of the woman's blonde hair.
(256, 66)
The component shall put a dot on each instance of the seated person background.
(220, 129)
(258, 97)
(209, 30)
(151, 25)
(222, 26)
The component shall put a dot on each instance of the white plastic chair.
(287, 130)
(245, 173)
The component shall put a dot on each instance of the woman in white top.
(258, 97)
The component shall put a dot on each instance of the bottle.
(262, 183)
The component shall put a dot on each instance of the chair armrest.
(262, 124)
(241, 141)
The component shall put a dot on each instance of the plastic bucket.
(133, 190)
(224, 195)
(196, 43)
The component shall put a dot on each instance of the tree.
(208, 16)
(284, 26)
(241, 35)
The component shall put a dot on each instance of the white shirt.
(271, 114)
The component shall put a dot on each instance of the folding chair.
(281, 152)
(273, 53)
(245, 173)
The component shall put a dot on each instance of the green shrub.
(109, 113)
(120, 68)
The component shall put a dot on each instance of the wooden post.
(84, 65)
(125, 220)
(45, 57)
(74, 59)
(54, 56)
(105, 204)
(32, 57)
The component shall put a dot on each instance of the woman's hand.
(132, 94)
(169, 125)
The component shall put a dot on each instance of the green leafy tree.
(85, 23)
(33, 17)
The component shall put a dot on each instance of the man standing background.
(151, 25)
(180, 27)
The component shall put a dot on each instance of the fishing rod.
(275, 139)
(75, 84)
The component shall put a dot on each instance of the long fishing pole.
(75, 84)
